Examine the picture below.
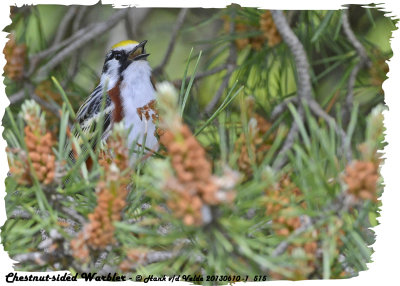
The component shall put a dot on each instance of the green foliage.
(241, 237)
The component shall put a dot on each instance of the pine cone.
(258, 147)
(15, 56)
(39, 145)
(361, 178)
(111, 195)
(40, 152)
(268, 27)
(193, 184)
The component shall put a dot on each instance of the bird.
(127, 84)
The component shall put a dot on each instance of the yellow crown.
(124, 43)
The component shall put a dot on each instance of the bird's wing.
(88, 117)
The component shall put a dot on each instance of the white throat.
(110, 79)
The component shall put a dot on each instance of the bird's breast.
(138, 102)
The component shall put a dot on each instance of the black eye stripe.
(114, 55)
(118, 56)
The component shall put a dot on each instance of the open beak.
(138, 53)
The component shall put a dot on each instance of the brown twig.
(178, 24)
(96, 31)
(318, 111)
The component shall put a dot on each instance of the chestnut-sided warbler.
(129, 95)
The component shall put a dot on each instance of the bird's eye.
(118, 57)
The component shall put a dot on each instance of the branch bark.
(16, 97)
(304, 88)
(281, 107)
(64, 24)
(178, 25)
(35, 59)
(304, 92)
(364, 61)
(96, 31)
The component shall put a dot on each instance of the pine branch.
(64, 24)
(37, 58)
(304, 92)
(91, 34)
(304, 88)
(364, 61)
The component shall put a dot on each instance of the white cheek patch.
(111, 76)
